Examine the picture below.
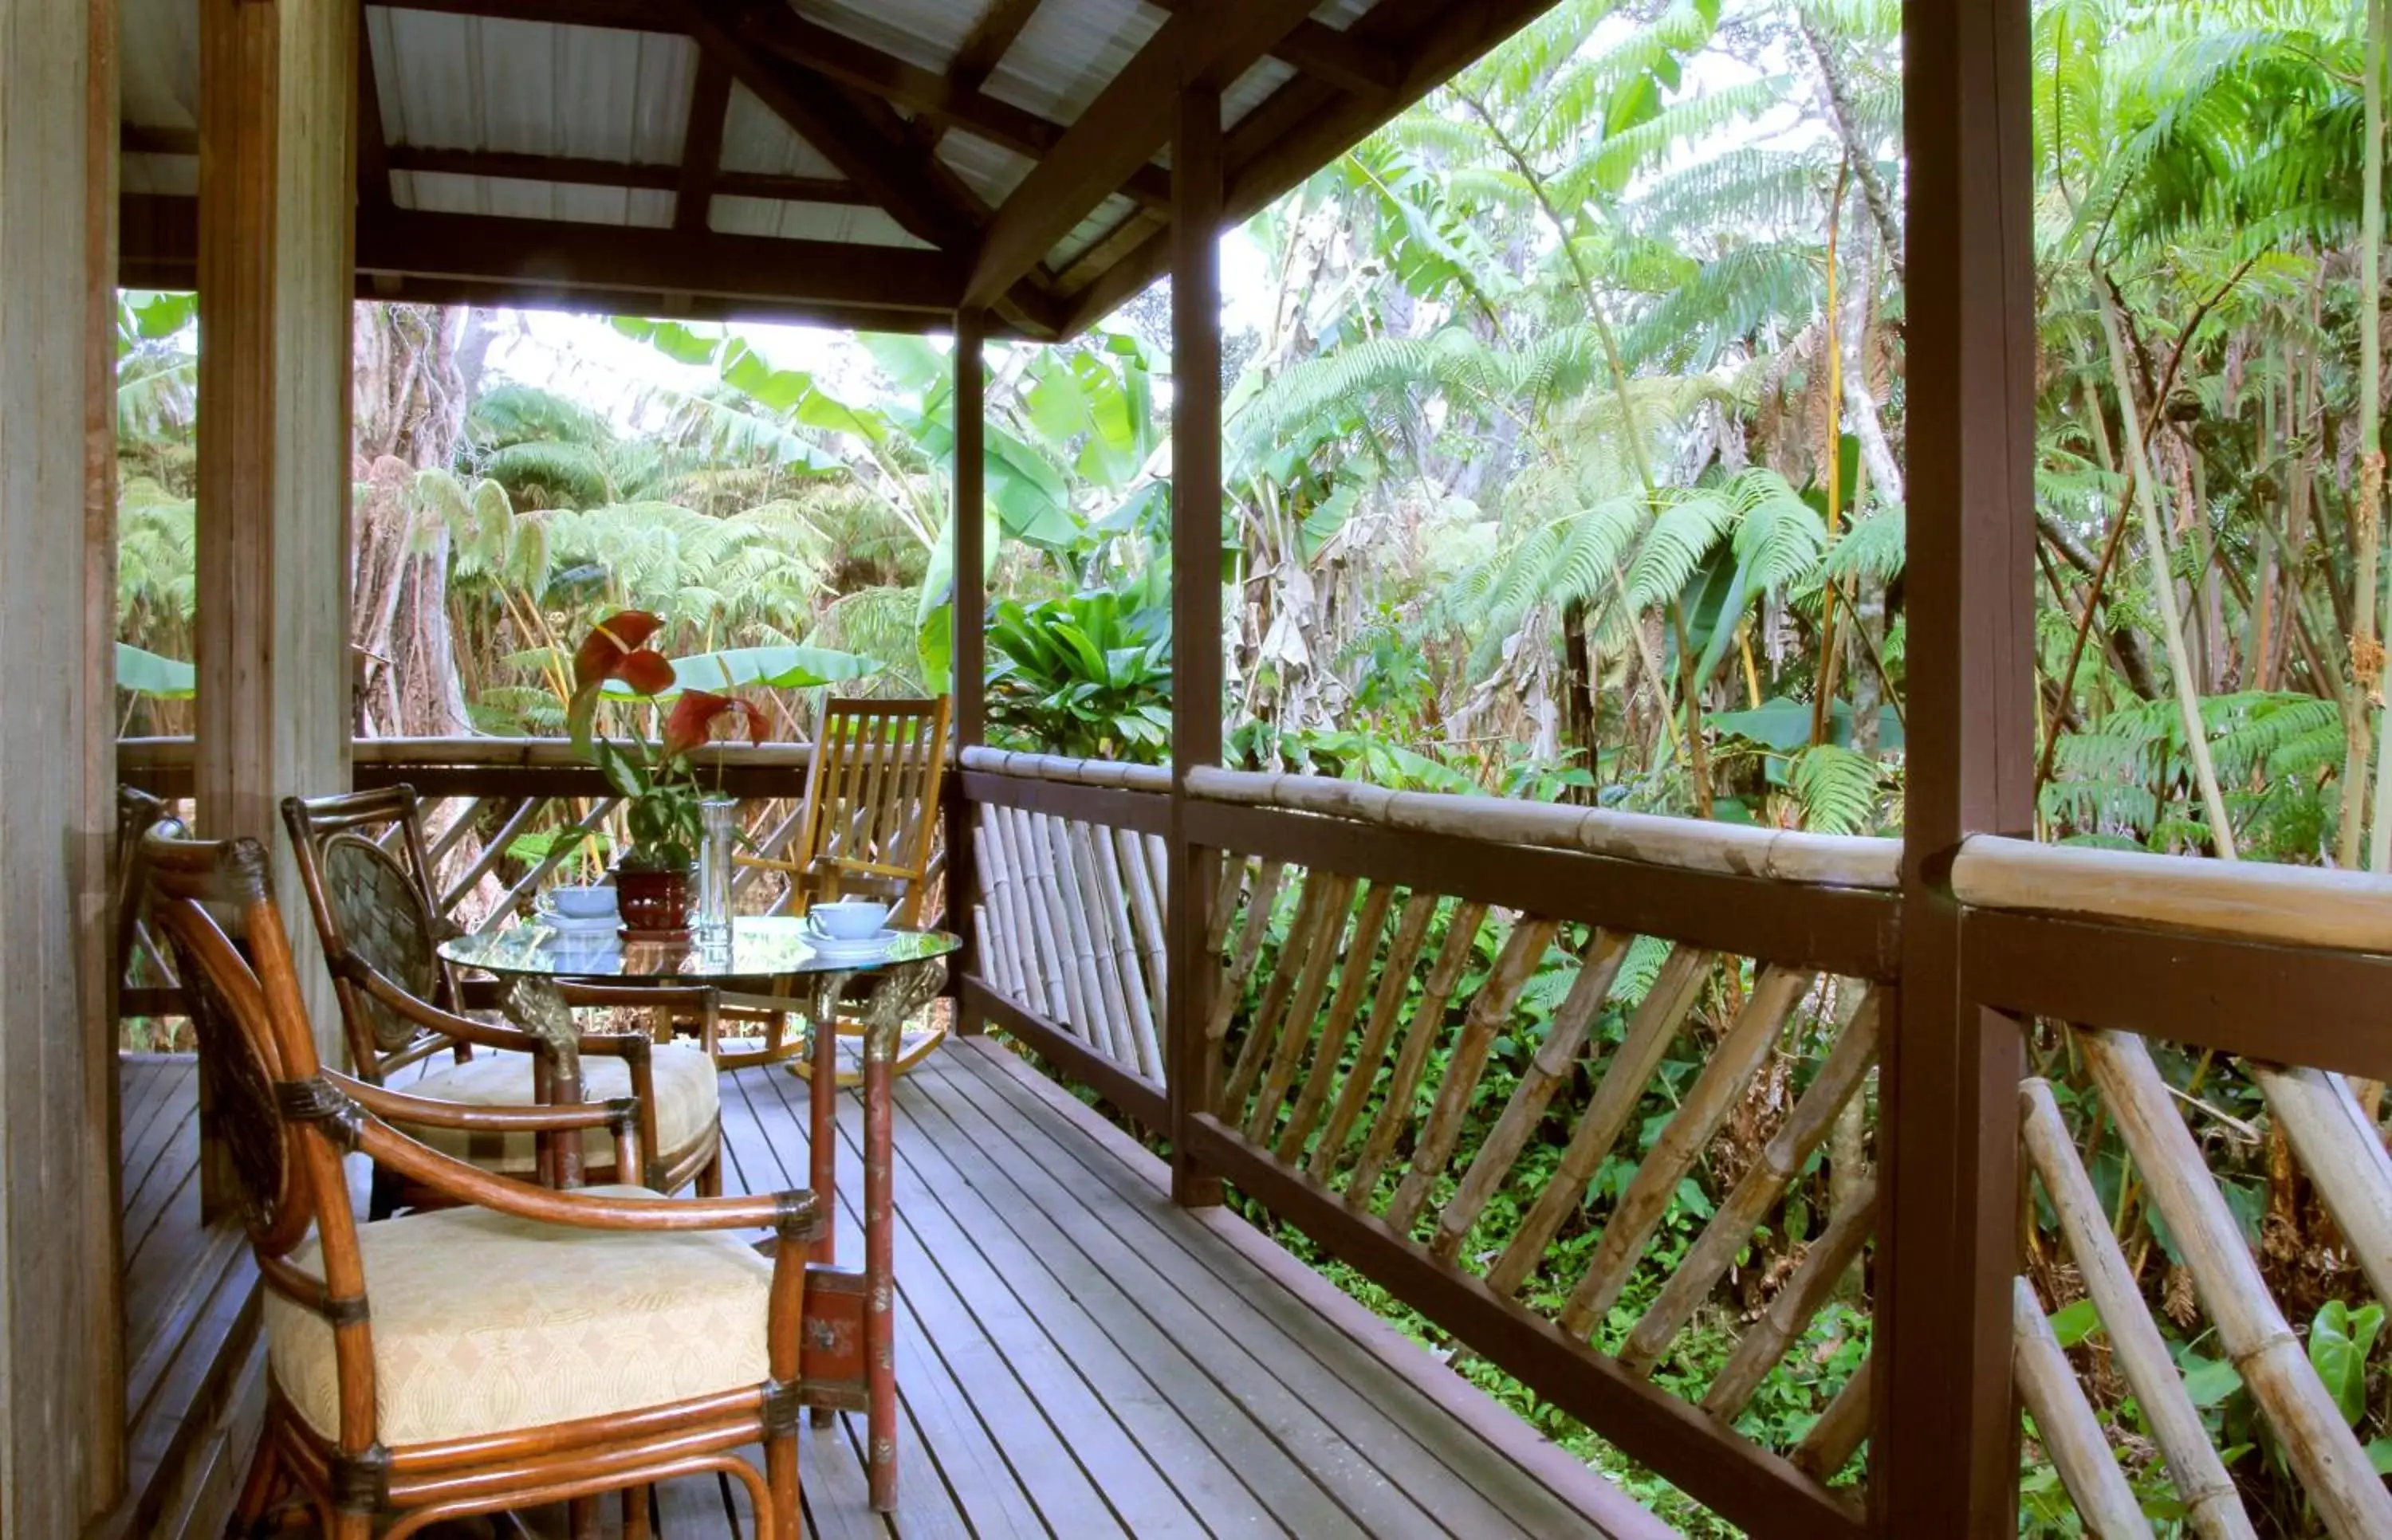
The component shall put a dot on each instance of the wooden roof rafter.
(701, 142)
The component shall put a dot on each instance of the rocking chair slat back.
(872, 801)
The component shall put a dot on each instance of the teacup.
(848, 919)
(582, 903)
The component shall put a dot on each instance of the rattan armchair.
(524, 1347)
(369, 880)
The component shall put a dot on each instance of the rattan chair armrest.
(481, 1034)
(795, 1215)
(400, 1107)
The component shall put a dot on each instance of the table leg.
(822, 1131)
(536, 1006)
(898, 996)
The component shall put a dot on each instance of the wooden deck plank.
(1390, 1481)
(973, 1346)
(977, 1476)
(1130, 1378)
(1341, 1370)
(1216, 1387)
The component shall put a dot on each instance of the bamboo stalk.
(2069, 1431)
(997, 893)
(1111, 889)
(1427, 1025)
(2343, 1153)
(1241, 966)
(1814, 1282)
(1555, 1058)
(1403, 955)
(1103, 1031)
(1490, 1009)
(1841, 1428)
(1780, 1162)
(1158, 864)
(1295, 1035)
(1056, 930)
(2212, 1505)
(1039, 954)
(525, 809)
(1101, 917)
(2334, 1469)
(1322, 892)
(1077, 772)
(1146, 913)
(1724, 1076)
(1787, 855)
(1224, 912)
(1650, 1031)
(1352, 982)
(460, 826)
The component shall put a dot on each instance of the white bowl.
(582, 903)
(848, 919)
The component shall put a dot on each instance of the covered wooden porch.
(1077, 1355)
(1088, 1338)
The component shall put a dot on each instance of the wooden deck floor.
(1077, 1357)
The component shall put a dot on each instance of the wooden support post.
(61, 1417)
(1942, 1453)
(277, 187)
(967, 518)
(1196, 194)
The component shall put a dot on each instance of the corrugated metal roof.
(439, 192)
(158, 54)
(1088, 232)
(754, 138)
(1252, 89)
(845, 223)
(989, 170)
(926, 32)
(529, 88)
(1068, 54)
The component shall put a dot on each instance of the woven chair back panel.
(238, 1088)
(380, 910)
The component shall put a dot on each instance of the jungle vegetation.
(1567, 463)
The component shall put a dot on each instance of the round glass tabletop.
(762, 947)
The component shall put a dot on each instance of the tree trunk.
(416, 369)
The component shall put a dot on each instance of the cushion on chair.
(688, 1103)
(485, 1323)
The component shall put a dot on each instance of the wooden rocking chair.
(362, 860)
(521, 1347)
(866, 828)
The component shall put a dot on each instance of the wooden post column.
(61, 1415)
(967, 518)
(1943, 1450)
(1196, 196)
(277, 189)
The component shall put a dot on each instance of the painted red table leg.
(898, 996)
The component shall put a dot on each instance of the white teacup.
(582, 903)
(848, 919)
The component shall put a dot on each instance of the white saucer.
(567, 928)
(861, 946)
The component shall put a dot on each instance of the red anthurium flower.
(692, 718)
(610, 643)
(614, 650)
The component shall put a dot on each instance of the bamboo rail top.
(1075, 772)
(2250, 901)
(1689, 843)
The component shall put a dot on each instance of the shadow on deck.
(1076, 1356)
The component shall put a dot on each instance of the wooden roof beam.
(1343, 60)
(701, 142)
(373, 155)
(775, 27)
(1210, 44)
(826, 120)
(1307, 124)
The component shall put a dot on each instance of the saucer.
(861, 946)
(571, 924)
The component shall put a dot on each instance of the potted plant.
(663, 802)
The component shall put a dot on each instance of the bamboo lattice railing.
(1069, 919)
(2320, 1140)
(1361, 1002)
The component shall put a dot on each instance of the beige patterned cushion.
(688, 1103)
(484, 1323)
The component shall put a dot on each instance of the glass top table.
(764, 949)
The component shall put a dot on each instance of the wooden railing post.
(969, 656)
(1942, 1453)
(1196, 193)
